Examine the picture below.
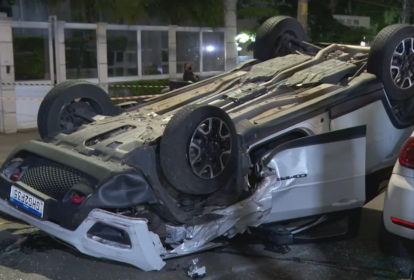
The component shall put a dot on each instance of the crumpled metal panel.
(251, 212)
(245, 93)
(330, 71)
(267, 70)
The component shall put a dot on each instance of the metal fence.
(50, 52)
(47, 53)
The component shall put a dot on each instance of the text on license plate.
(26, 201)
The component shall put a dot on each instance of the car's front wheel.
(391, 59)
(199, 150)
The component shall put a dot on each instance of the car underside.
(277, 152)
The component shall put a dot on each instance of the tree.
(89, 10)
(380, 12)
(202, 13)
(323, 27)
(257, 9)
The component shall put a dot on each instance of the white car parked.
(397, 226)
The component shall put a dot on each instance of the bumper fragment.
(398, 204)
(146, 248)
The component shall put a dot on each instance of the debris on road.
(283, 249)
(174, 268)
(196, 272)
(15, 247)
(31, 242)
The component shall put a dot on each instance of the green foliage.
(29, 57)
(150, 70)
(391, 16)
(380, 12)
(354, 35)
(323, 27)
(117, 92)
(202, 13)
(128, 10)
(81, 50)
(328, 29)
(116, 43)
(257, 9)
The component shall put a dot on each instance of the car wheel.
(62, 106)
(272, 37)
(391, 244)
(199, 150)
(391, 59)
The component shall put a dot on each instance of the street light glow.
(210, 48)
(244, 38)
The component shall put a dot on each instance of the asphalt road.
(27, 254)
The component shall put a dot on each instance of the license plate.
(26, 201)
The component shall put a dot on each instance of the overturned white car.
(276, 151)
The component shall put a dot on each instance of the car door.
(318, 174)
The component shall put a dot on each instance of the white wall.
(26, 110)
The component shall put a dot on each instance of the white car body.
(398, 214)
(335, 181)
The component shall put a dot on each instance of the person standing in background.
(189, 76)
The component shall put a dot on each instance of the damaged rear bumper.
(145, 246)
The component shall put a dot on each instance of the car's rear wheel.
(199, 150)
(69, 105)
(272, 38)
(391, 59)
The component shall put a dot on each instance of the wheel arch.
(258, 151)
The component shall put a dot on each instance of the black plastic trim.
(329, 137)
(121, 191)
(271, 235)
(118, 187)
(145, 161)
(354, 219)
(95, 168)
(349, 106)
(373, 181)
(110, 233)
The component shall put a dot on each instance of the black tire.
(269, 33)
(174, 151)
(381, 54)
(391, 244)
(66, 92)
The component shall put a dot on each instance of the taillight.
(77, 199)
(15, 176)
(402, 223)
(406, 157)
